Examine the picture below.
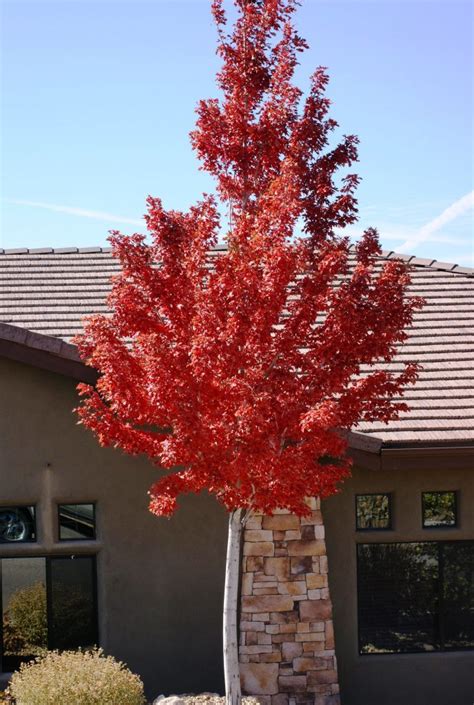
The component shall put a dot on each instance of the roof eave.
(365, 443)
(54, 355)
(435, 448)
(43, 351)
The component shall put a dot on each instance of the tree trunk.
(231, 594)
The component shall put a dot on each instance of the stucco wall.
(424, 678)
(160, 581)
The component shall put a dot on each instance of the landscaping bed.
(200, 699)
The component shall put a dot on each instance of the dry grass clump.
(76, 678)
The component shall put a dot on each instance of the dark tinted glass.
(373, 511)
(73, 620)
(24, 629)
(76, 521)
(416, 596)
(17, 524)
(439, 509)
(458, 594)
(398, 597)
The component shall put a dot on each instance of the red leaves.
(237, 371)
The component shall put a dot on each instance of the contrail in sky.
(81, 212)
(459, 207)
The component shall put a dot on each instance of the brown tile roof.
(49, 291)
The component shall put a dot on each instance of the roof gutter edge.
(435, 449)
(44, 351)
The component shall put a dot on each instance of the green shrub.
(25, 620)
(76, 678)
(13, 643)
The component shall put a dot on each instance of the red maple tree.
(237, 369)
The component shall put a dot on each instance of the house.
(386, 583)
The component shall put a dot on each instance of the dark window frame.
(24, 506)
(94, 516)
(48, 558)
(390, 512)
(437, 527)
(440, 650)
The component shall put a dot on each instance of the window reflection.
(415, 596)
(47, 603)
(458, 595)
(398, 597)
(439, 509)
(73, 617)
(24, 613)
(373, 511)
(17, 524)
(76, 522)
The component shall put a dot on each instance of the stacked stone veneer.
(286, 632)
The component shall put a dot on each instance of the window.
(46, 603)
(439, 509)
(415, 597)
(17, 524)
(76, 522)
(373, 511)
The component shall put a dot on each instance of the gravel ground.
(214, 700)
(202, 699)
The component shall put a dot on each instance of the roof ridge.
(53, 250)
(413, 260)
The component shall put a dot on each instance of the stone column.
(286, 632)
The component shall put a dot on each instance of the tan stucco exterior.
(160, 582)
(408, 679)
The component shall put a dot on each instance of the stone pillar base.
(286, 632)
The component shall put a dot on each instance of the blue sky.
(98, 99)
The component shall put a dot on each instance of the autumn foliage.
(237, 370)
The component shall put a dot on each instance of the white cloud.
(425, 233)
(81, 212)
